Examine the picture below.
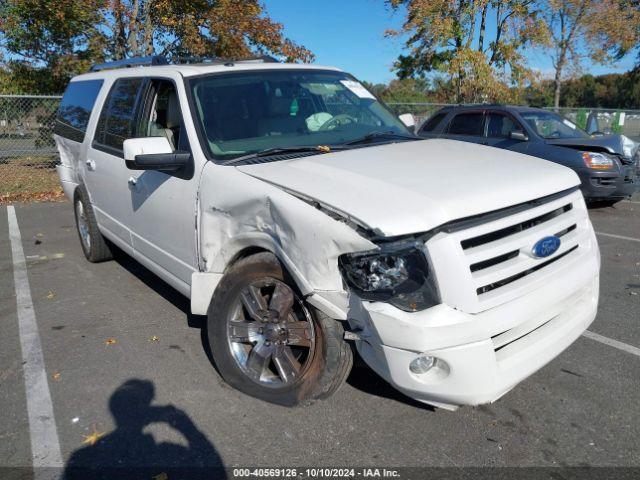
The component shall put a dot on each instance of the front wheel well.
(289, 270)
(244, 253)
(205, 284)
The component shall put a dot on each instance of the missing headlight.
(398, 274)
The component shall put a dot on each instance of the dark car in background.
(608, 165)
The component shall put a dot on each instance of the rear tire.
(94, 245)
(267, 342)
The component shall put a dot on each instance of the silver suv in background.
(299, 214)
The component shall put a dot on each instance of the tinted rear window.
(433, 122)
(118, 117)
(75, 109)
(466, 124)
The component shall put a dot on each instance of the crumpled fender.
(237, 211)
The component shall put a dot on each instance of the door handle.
(91, 165)
(133, 181)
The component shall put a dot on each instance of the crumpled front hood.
(616, 144)
(415, 186)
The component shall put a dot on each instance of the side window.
(434, 121)
(162, 116)
(75, 109)
(467, 124)
(500, 125)
(118, 116)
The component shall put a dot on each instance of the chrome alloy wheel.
(83, 226)
(271, 333)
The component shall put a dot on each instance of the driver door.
(162, 205)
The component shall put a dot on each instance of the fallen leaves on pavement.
(93, 437)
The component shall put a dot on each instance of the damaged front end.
(252, 215)
(397, 273)
(415, 303)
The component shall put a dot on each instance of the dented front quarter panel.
(238, 212)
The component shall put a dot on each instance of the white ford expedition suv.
(299, 214)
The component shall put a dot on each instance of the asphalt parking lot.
(105, 326)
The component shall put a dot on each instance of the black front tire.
(325, 369)
(603, 202)
(94, 245)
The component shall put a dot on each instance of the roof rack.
(131, 62)
(160, 60)
(226, 61)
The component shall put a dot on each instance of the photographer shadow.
(129, 452)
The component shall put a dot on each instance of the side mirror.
(153, 153)
(408, 120)
(518, 135)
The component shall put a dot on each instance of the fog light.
(422, 364)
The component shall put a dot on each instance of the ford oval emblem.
(546, 246)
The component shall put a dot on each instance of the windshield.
(551, 125)
(239, 114)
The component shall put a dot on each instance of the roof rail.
(257, 59)
(131, 62)
(225, 61)
(160, 60)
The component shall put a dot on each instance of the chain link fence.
(27, 151)
(28, 154)
(608, 121)
(625, 122)
(26, 125)
(420, 111)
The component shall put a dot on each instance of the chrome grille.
(495, 258)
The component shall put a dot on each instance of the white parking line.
(45, 446)
(631, 201)
(620, 237)
(613, 343)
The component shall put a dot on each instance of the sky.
(349, 34)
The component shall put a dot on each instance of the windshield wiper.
(274, 151)
(321, 148)
(389, 133)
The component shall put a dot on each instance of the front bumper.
(597, 185)
(482, 371)
(486, 353)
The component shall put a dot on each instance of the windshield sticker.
(326, 89)
(357, 88)
(569, 124)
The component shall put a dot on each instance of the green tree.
(45, 42)
(612, 90)
(407, 90)
(577, 29)
(451, 37)
(200, 28)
